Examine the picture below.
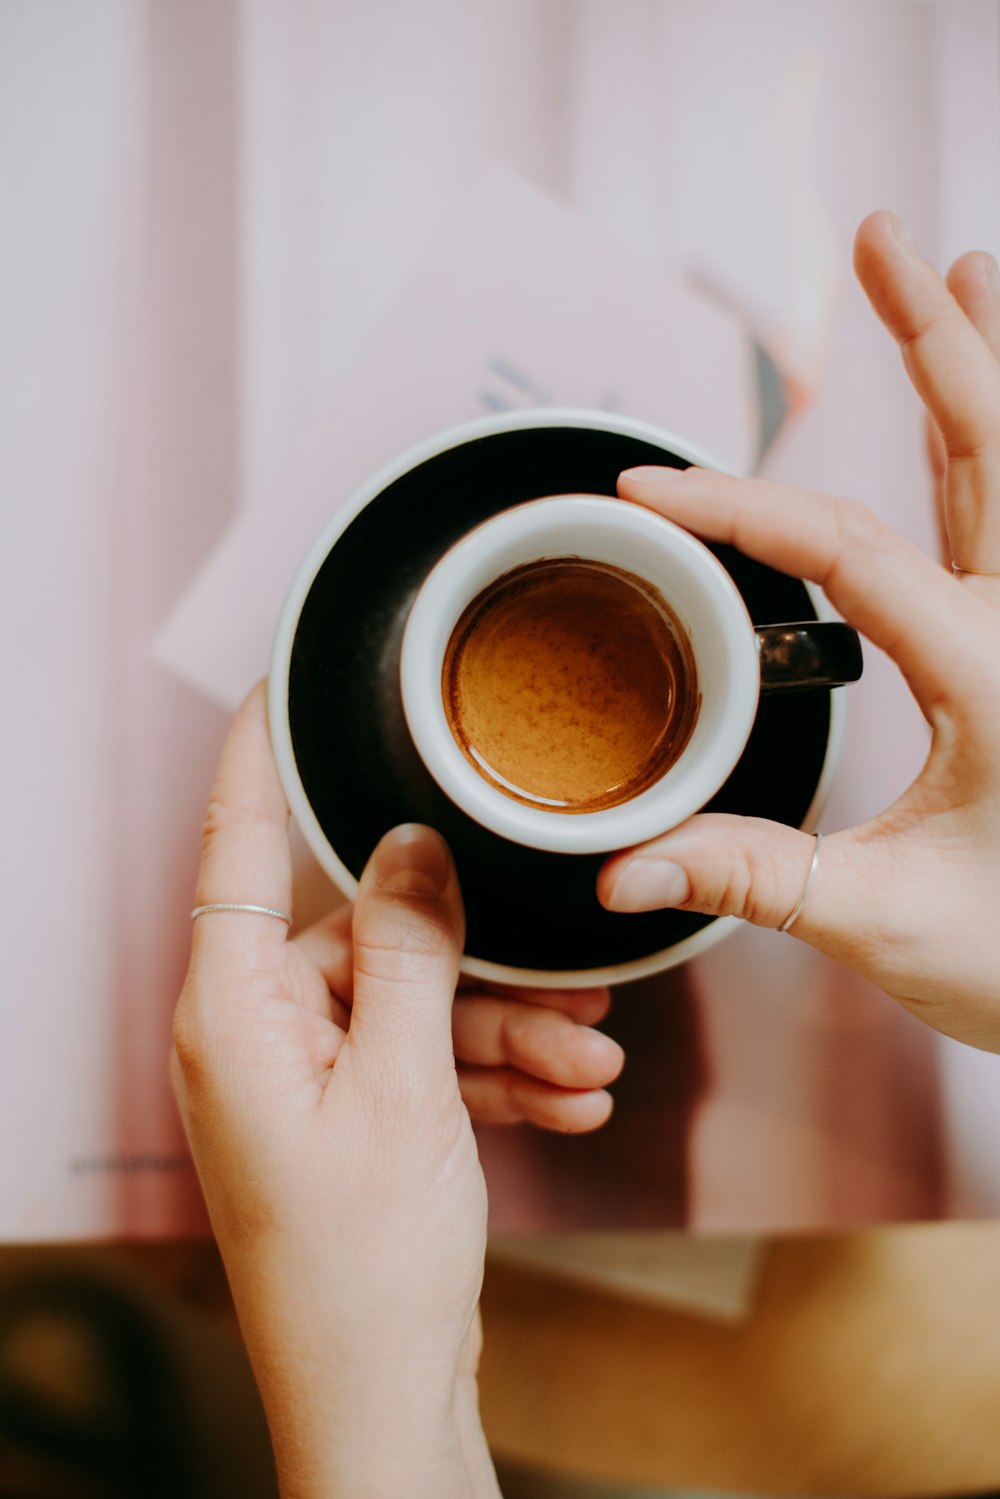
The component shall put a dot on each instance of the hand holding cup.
(577, 673)
(908, 899)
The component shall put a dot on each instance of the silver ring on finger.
(228, 905)
(797, 908)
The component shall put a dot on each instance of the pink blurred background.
(223, 224)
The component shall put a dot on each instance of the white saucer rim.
(717, 928)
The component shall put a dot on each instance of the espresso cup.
(721, 665)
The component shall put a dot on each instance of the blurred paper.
(712, 1277)
(723, 184)
(523, 303)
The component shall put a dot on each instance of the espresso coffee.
(570, 685)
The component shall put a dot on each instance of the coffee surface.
(570, 685)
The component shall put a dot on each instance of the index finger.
(246, 858)
(881, 584)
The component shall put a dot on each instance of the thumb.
(409, 930)
(725, 866)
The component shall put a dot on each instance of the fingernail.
(605, 1049)
(412, 860)
(649, 885)
(903, 234)
(647, 474)
(993, 276)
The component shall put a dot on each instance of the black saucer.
(357, 763)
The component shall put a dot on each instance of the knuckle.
(969, 448)
(189, 1041)
(918, 331)
(752, 885)
(226, 808)
(410, 947)
(856, 530)
(200, 1036)
(859, 526)
(523, 1101)
(220, 815)
(516, 1028)
(214, 823)
(737, 897)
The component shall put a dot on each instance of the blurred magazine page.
(521, 303)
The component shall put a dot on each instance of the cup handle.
(812, 654)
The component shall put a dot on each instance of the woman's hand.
(911, 898)
(522, 1055)
(335, 1150)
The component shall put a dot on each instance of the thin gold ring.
(972, 572)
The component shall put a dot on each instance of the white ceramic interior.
(696, 587)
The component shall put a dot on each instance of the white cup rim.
(592, 528)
